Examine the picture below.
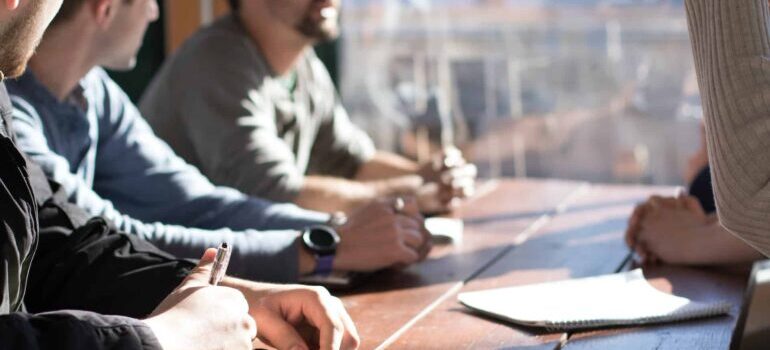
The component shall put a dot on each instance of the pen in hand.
(220, 264)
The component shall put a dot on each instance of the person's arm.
(143, 176)
(384, 165)
(731, 44)
(676, 230)
(221, 97)
(75, 330)
(18, 238)
(719, 247)
(331, 194)
(253, 248)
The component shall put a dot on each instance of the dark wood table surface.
(529, 231)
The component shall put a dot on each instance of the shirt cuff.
(266, 256)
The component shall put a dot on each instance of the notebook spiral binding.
(690, 312)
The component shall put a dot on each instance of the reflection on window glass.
(577, 89)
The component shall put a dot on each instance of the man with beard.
(53, 258)
(248, 102)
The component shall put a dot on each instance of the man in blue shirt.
(85, 133)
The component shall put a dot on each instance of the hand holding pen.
(197, 315)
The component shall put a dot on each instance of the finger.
(407, 255)
(458, 185)
(411, 208)
(427, 245)
(630, 236)
(409, 223)
(202, 272)
(658, 202)
(467, 171)
(413, 238)
(451, 157)
(350, 340)
(276, 332)
(680, 192)
(330, 328)
(636, 215)
(643, 254)
(693, 204)
(633, 225)
(251, 326)
(649, 257)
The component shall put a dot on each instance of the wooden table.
(528, 231)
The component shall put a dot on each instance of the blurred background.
(595, 90)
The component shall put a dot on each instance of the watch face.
(321, 240)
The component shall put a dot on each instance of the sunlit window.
(575, 89)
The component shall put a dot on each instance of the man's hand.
(378, 237)
(299, 317)
(197, 315)
(667, 229)
(448, 178)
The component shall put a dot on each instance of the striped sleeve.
(731, 47)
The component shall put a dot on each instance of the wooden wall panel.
(183, 18)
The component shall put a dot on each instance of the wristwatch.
(322, 241)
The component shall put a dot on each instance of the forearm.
(75, 330)
(335, 194)
(730, 42)
(385, 165)
(717, 246)
(330, 194)
(257, 255)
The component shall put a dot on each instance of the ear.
(11, 4)
(103, 12)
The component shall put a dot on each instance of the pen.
(220, 264)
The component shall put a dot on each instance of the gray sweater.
(221, 107)
(731, 46)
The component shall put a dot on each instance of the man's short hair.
(68, 9)
(235, 5)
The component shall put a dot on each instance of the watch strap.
(324, 264)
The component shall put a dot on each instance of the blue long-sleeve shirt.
(98, 146)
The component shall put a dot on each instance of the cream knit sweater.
(731, 46)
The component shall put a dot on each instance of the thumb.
(411, 208)
(202, 272)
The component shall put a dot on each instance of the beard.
(19, 37)
(318, 31)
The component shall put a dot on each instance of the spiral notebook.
(621, 299)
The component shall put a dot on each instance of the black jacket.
(63, 260)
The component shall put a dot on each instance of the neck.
(62, 59)
(281, 48)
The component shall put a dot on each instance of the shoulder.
(26, 94)
(317, 70)
(220, 48)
